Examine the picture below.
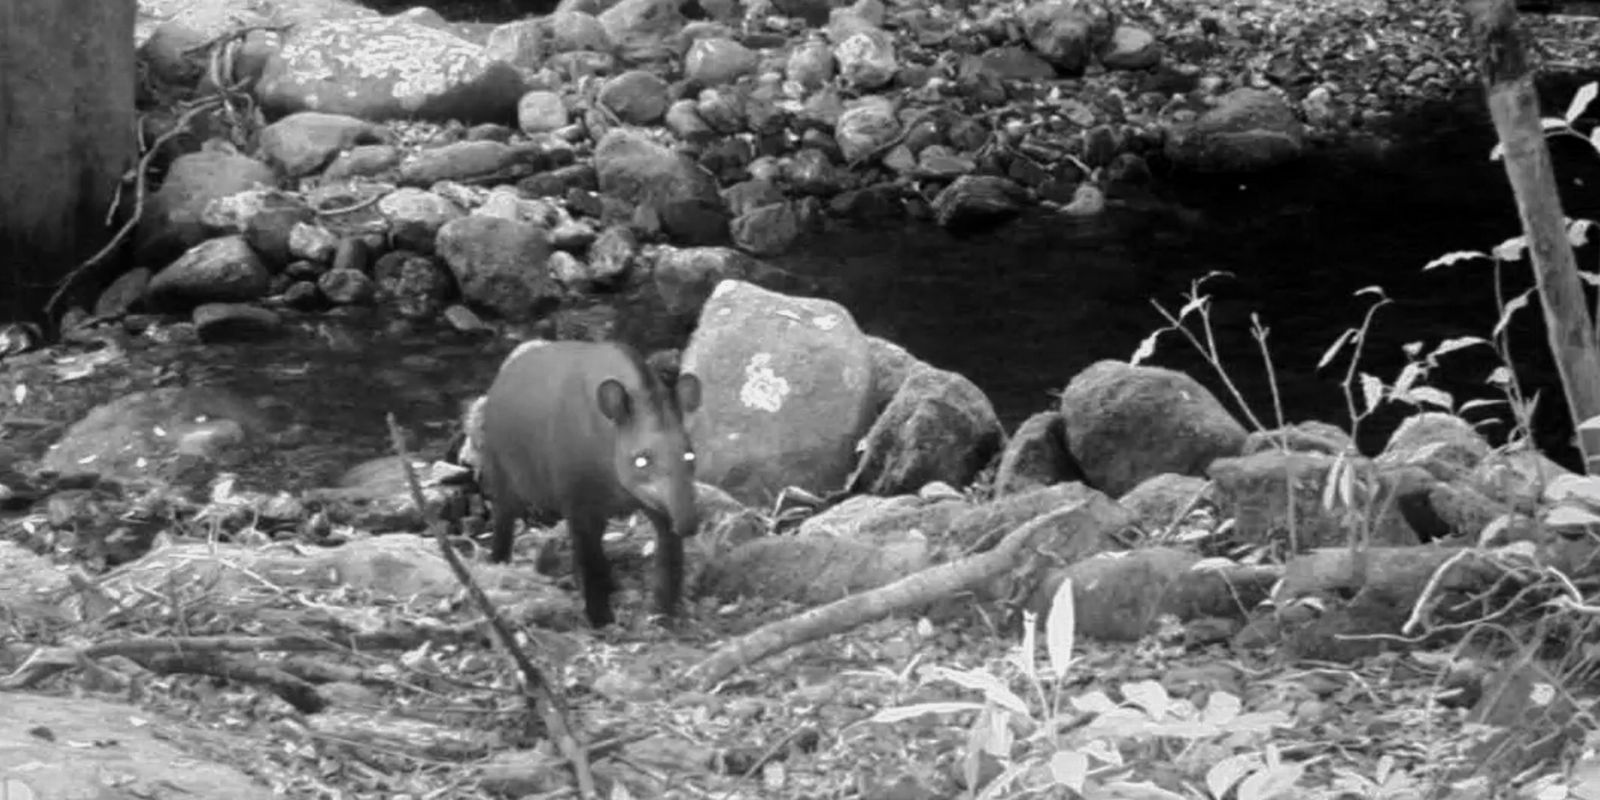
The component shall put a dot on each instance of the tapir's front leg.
(587, 531)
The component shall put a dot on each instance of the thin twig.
(237, 33)
(352, 208)
(543, 701)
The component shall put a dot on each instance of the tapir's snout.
(683, 509)
(673, 497)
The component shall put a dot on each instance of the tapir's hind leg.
(505, 533)
(504, 509)
(587, 531)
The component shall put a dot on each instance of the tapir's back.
(545, 441)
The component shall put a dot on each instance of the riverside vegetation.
(1227, 611)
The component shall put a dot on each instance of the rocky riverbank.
(577, 155)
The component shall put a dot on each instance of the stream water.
(1021, 311)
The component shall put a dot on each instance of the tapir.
(587, 431)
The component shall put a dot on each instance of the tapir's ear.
(614, 401)
(688, 393)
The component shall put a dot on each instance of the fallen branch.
(912, 591)
(392, 733)
(543, 700)
(48, 661)
(296, 692)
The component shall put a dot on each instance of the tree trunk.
(67, 76)
(1503, 62)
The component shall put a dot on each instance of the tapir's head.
(654, 458)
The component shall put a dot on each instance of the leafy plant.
(1093, 744)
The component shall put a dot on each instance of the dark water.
(1020, 311)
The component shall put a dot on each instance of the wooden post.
(1503, 62)
(67, 78)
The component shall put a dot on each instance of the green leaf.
(1333, 349)
(1094, 702)
(1069, 768)
(1569, 487)
(1024, 655)
(1196, 303)
(1427, 395)
(1514, 305)
(993, 730)
(1226, 773)
(1001, 785)
(902, 713)
(1273, 783)
(1408, 376)
(1459, 343)
(1580, 102)
(993, 690)
(1060, 629)
(1511, 249)
(1146, 349)
(1549, 124)
(1371, 391)
(1578, 229)
(1149, 696)
(1471, 404)
(1124, 790)
(1221, 709)
(1451, 259)
(1563, 516)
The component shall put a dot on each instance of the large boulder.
(1248, 130)
(500, 264)
(788, 392)
(153, 434)
(46, 742)
(682, 194)
(379, 68)
(939, 427)
(171, 220)
(1126, 423)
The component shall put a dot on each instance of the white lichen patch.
(419, 63)
(826, 322)
(763, 388)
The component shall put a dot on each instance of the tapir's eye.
(641, 461)
(688, 457)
